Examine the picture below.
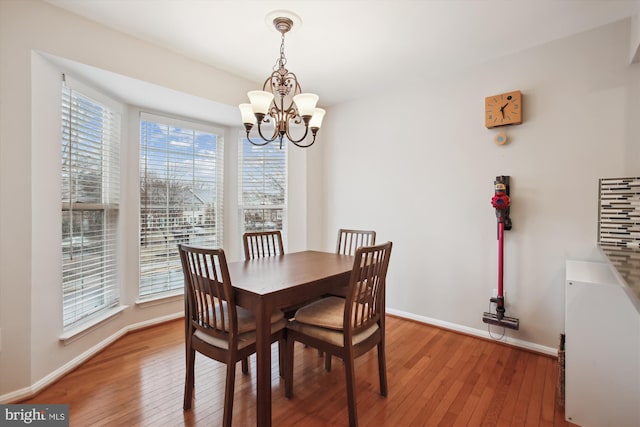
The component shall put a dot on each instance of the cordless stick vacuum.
(501, 201)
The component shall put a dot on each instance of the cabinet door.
(602, 373)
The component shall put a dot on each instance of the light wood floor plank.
(516, 376)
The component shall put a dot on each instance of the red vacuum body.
(501, 202)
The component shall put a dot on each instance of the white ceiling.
(346, 48)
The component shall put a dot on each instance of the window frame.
(95, 268)
(156, 289)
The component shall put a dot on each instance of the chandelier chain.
(282, 60)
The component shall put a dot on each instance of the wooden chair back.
(350, 240)
(209, 298)
(262, 244)
(365, 303)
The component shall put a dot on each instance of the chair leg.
(245, 365)
(282, 348)
(228, 394)
(327, 362)
(288, 368)
(351, 390)
(382, 368)
(189, 379)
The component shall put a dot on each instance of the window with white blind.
(263, 186)
(90, 206)
(181, 190)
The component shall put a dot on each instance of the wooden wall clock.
(503, 109)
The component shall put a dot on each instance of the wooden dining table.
(263, 285)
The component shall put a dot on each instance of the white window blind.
(90, 205)
(181, 197)
(263, 186)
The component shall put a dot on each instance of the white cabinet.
(602, 349)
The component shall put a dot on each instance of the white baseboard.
(476, 332)
(44, 382)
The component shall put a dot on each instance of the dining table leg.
(263, 365)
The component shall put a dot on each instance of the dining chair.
(348, 241)
(347, 327)
(258, 244)
(214, 325)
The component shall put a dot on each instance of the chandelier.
(281, 104)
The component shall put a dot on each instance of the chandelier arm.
(248, 128)
(275, 132)
(297, 143)
(257, 143)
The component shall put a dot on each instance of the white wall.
(31, 354)
(416, 163)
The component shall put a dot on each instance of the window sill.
(160, 299)
(82, 330)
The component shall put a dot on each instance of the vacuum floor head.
(506, 321)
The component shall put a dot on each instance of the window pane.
(180, 198)
(90, 194)
(263, 186)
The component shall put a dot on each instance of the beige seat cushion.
(323, 319)
(326, 313)
(244, 340)
(246, 319)
(330, 335)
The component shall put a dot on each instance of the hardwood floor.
(436, 378)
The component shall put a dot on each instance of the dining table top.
(262, 276)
